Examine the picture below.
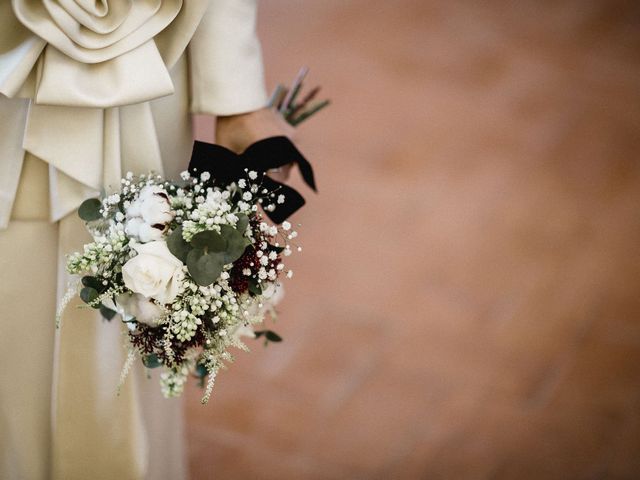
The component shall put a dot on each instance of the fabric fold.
(17, 64)
(80, 76)
(13, 154)
(139, 26)
(139, 76)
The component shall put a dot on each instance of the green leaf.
(235, 243)
(243, 223)
(107, 313)
(178, 246)
(209, 239)
(269, 335)
(201, 371)
(93, 282)
(205, 268)
(272, 336)
(276, 249)
(88, 295)
(90, 210)
(151, 361)
(254, 287)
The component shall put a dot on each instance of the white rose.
(154, 272)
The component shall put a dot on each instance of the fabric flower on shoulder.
(96, 53)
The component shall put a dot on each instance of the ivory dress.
(91, 89)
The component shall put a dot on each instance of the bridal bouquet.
(192, 266)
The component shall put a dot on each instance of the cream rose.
(154, 272)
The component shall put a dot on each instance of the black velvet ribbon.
(226, 166)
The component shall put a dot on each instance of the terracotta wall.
(467, 302)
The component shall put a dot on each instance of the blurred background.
(467, 304)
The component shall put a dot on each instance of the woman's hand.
(237, 132)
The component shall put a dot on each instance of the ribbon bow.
(226, 167)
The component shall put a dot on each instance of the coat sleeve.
(227, 76)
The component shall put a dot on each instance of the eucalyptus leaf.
(90, 210)
(276, 249)
(211, 240)
(254, 287)
(107, 313)
(272, 336)
(93, 282)
(235, 243)
(178, 246)
(205, 268)
(88, 295)
(151, 361)
(201, 371)
(243, 223)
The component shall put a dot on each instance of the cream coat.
(91, 89)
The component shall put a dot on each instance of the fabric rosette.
(94, 46)
(88, 72)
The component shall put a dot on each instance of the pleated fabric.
(91, 90)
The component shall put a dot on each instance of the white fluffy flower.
(137, 228)
(152, 205)
(148, 214)
(137, 306)
(154, 272)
